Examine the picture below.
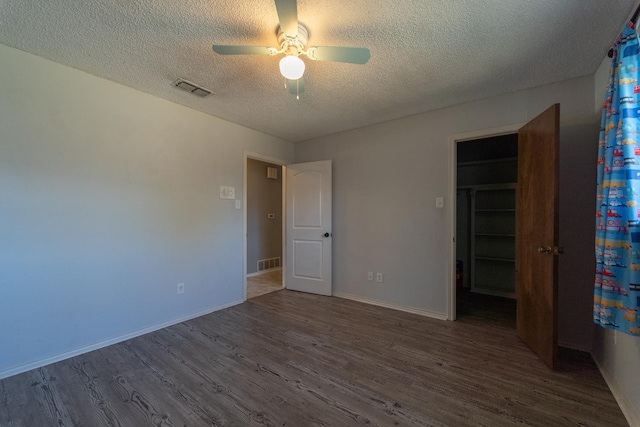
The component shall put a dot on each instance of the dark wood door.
(537, 234)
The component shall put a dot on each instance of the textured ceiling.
(425, 54)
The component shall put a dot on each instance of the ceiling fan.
(292, 37)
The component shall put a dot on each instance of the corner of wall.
(600, 79)
(617, 367)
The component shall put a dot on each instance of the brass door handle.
(556, 250)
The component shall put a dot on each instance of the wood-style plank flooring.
(294, 359)
(480, 308)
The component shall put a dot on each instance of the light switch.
(439, 202)
(238, 204)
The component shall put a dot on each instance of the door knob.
(544, 250)
(326, 234)
(558, 250)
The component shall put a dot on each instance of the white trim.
(262, 157)
(85, 349)
(260, 273)
(486, 133)
(625, 406)
(283, 260)
(399, 307)
(452, 222)
(453, 140)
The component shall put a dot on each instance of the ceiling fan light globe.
(292, 67)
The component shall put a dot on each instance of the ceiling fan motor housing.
(293, 45)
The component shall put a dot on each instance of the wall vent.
(272, 173)
(192, 87)
(268, 264)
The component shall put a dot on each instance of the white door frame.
(257, 156)
(453, 186)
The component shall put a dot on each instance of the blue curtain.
(617, 282)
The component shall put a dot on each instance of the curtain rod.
(633, 19)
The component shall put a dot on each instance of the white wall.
(387, 176)
(108, 199)
(617, 354)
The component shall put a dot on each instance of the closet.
(487, 173)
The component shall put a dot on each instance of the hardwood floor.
(295, 359)
(264, 283)
(486, 308)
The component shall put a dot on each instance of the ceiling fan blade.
(296, 87)
(352, 55)
(288, 16)
(224, 49)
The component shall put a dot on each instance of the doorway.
(536, 217)
(263, 226)
(486, 182)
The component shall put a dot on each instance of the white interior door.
(308, 233)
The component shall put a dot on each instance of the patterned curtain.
(617, 283)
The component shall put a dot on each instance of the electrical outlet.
(370, 276)
(379, 277)
(181, 288)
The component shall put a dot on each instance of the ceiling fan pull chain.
(298, 89)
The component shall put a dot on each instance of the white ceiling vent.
(192, 87)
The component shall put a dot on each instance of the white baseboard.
(625, 406)
(399, 307)
(259, 273)
(81, 350)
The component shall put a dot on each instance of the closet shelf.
(489, 187)
(491, 216)
(487, 258)
(488, 162)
